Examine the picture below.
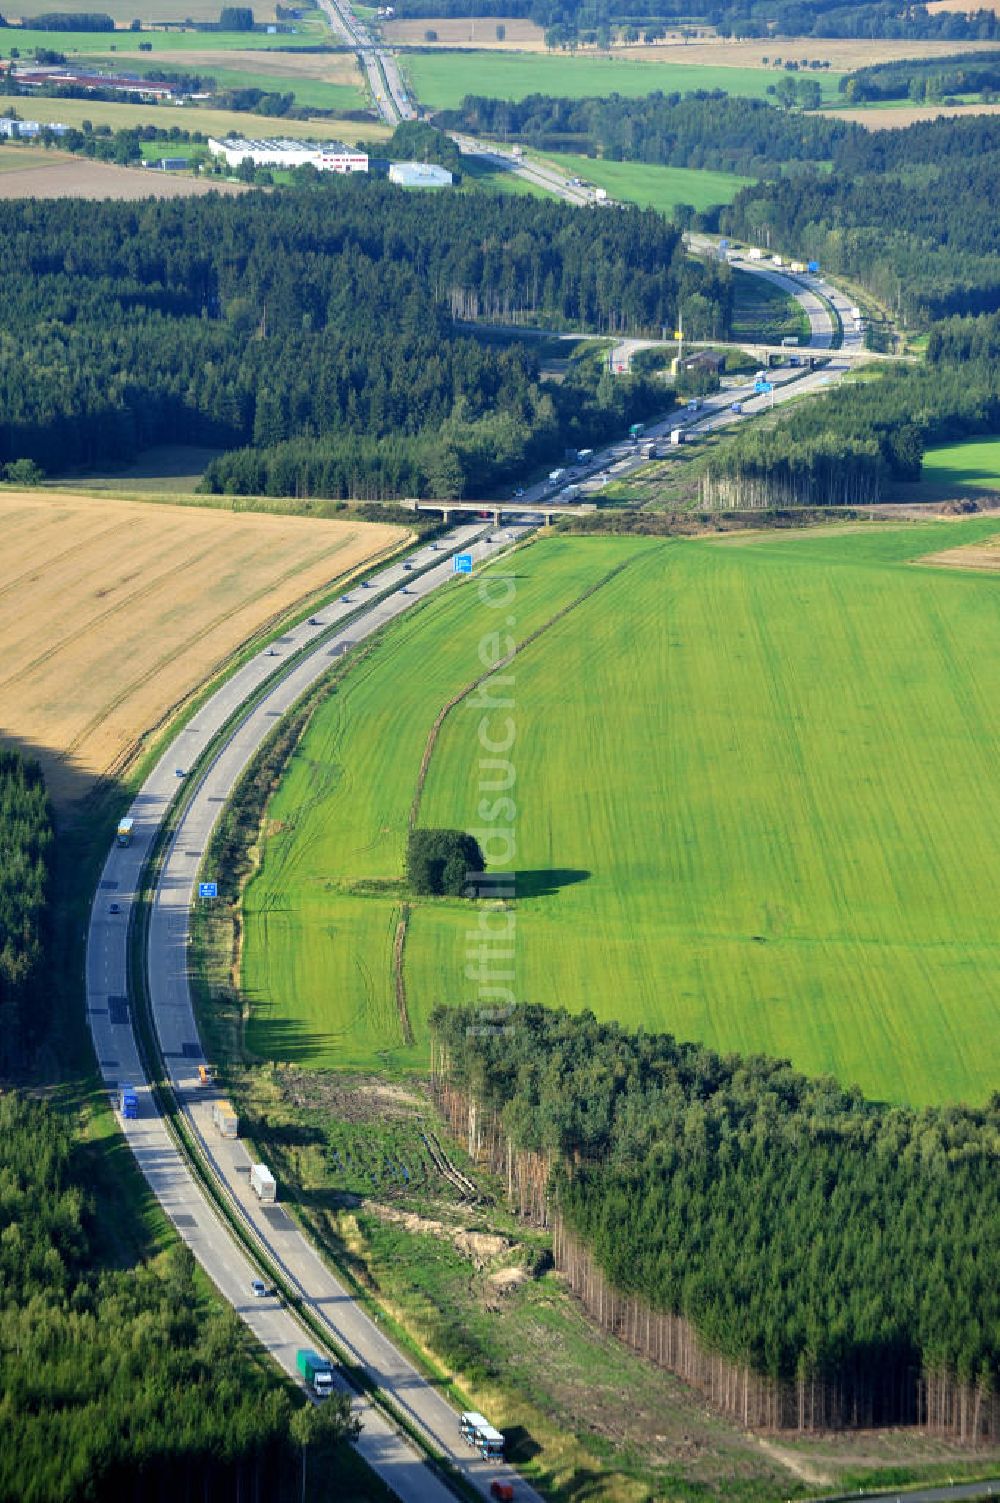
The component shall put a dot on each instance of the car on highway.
(345, 599)
(314, 622)
(366, 584)
(178, 772)
(259, 1289)
(408, 564)
(113, 908)
(272, 652)
(736, 407)
(405, 591)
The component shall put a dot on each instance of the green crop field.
(441, 79)
(974, 465)
(756, 793)
(311, 33)
(652, 186)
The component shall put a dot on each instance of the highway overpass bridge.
(499, 509)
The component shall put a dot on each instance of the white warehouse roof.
(420, 175)
(325, 156)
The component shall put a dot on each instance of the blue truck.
(128, 1102)
(316, 1370)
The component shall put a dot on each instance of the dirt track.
(112, 612)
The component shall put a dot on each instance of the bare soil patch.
(963, 5)
(64, 176)
(113, 612)
(479, 1247)
(348, 1098)
(984, 556)
(898, 117)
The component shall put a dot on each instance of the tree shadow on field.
(547, 881)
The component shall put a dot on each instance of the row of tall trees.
(700, 129)
(319, 317)
(586, 21)
(26, 837)
(803, 1233)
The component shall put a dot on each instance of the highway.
(109, 1014)
(380, 66)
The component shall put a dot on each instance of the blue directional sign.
(763, 387)
(462, 563)
(208, 889)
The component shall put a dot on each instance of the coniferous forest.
(317, 329)
(115, 1382)
(25, 845)
(824, 1259)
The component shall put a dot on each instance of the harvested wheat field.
(112, 612)
(64, 176)
(843, 54)
(326, 67)
(898, 117)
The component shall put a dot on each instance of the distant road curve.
(952, 1493)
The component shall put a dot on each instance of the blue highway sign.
(208, 889)
(462, 563)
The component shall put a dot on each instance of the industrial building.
(28, 130)
(325, 156)
(420, 175)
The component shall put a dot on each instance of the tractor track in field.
(482, 678)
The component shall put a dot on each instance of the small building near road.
(325, 156)
(703, 360)
(420, 175)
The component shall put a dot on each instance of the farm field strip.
(441, 80)
(124, 45)
(111, 612)
(752, 780)
(209, 122)
(843, 54)
(60, 175)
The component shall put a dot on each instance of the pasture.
(753, 777)
(652, 186)
(440, 80)
(125, 44)
(973, 465)
(113, 612)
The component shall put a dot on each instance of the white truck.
(262, 1183)
(225, 1120)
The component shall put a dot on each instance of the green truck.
(316, 1370)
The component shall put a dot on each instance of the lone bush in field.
(438, 861)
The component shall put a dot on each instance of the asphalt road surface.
(390, 1455)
